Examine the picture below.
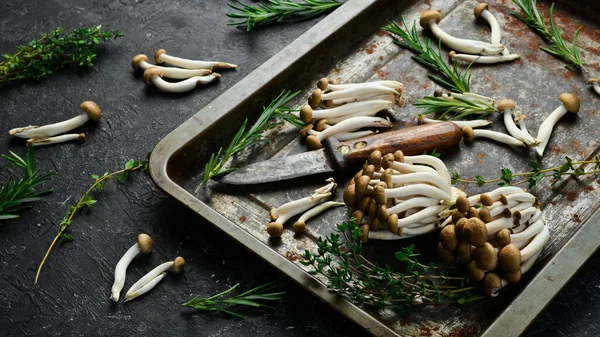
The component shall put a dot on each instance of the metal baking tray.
(350, 46)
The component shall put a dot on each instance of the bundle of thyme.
(52, 51)
(16, 195)
(557, 45)
(270, 12)
(349, 274)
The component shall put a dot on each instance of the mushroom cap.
(386, 177)
(358, 215)
(463, 251)
(320, 125)
(365, 233)
(448, 238)
(91, 109)
(479, 8)
(570, 101)
(451, 55)
(387, 161)
(178, 264)
(323, 83)
(313, 143)
(333, 81)
(137, 59)
(475, 273)
(446, 255)
(437, 92)
(509, 259)
(503, 199)
(360, 186)
(593, 80)
(513, 277)
(369, 171)
(503, 237)
(473, 213)
(315, 98)
(157, 55)
(392, 223)
(304, 129)
(372, 211)
(484, 215)
(349, 195)
(420, 119)
(459, 227)
(145, 243)
(462, 204)
(382, 213)
(298, 227)
(380, 195)
(306, 113)
(399, 156)
(468, 133)
(428, 16)
(506, 104)
(456, 216)
(364, 203)
(375, 224)
(475, 232)
(275, 229)
(486, 257)
(151, 72)
(375, 160)
(81, 137)
(491, 284)
(485, 199)
(273, 214)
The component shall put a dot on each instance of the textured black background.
(72, 295)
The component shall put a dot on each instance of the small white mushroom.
(422, 177)
(153, 75)
(141, 62)
(161, 56)
(56, 139)
(307, 114)
(476, 123)
(470, 134)
(430, 19)
(292, 207)
(352, 124)
(483, 59)
(363, 92)
(90, 109)
(300, 225)
(495, 194)
(151, 279)
(569, 102)
(324, 84)
(596, 83)
(520, 118)
(144, 245)
(482, 11)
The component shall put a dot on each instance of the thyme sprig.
(254, 135)
(536, 174)
(271, 12)
(456, 107)
(349, 274)
(249, 298)
(557, 45)
(52, 51)
(15, 196)
(427, 55)
(88, 201)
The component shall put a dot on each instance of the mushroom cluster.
(310, 206)
(47, 134)
(191, 72)
(499, 241)
(406, 195)
(341, 110)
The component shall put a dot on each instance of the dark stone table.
(72, 295)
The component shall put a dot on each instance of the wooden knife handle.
(412, 141)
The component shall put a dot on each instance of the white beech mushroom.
(154, 75)
(569, 103)
(476, 123)
(143, 245)
(536, 245)
(300, 225)
(56, 139)
(325, 84)
(483, 59)
(596, 83)
(352, 94)
(141, 62)
(520, 118)
(482, 11)
(90, 109)
(470, 134)
(307, 114)
(430, 19)
(161, 56)
(149, 280)
(352, 124)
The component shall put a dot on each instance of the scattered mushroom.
(144, 245)
(483, 59)
(570, 103)
(153, 75)
(325, 84)
(56, 139)
(307, 114)
(300, 225)
(151, 279)
(352, 124)
(90, 109)
(365, 91)
(520, 118)
(141, 62)
(507, 106)
(161, 56)
(596, 83)
(470, 134)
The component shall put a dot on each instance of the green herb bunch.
(557, 45)
(52, 51)
(349, 274)
(270, 12)
(456, 107)
(250, 298)
(15, 196)
(88, 201)
(254, 135)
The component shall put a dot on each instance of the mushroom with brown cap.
(143, 245)
(444, 254)
(313, 142)
(154, 276)
(363, 92)
(596, 84)
(161, 56)
(569, 103)
(486, 257)
(430, 19)
(300, 225)
(507, 106)
(483, 59)
(141, 62)
(475, 273)
(475, 232)
(90, 109)
(56, 139)
(492, 284)
(520, 118)
(154, 75)
(448, 238)
(509, 259)
(470, 134)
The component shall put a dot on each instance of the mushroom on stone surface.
(470, 134)
(569, 103)
(144, 245)
(363, 92)
(56, 139)
(507, 106)
(141, 62)
(595, 82)
(313, 142)
(154, 75)
(483, 59)
(161, 56)
(154, 276)
(300, 225)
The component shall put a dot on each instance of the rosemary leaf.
(455, 107)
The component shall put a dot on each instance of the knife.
(335, 155)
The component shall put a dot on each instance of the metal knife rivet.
(344, 149)
(360, 145)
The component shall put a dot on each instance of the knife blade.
(337, 155)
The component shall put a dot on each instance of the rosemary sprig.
(246, 138)
(14, 196)
(536, 174)
(271, 12)
(249, 298)
(557, 45)
(451, 76)
(457, 107)
(87, 201)
(53, 50)
(351, 275)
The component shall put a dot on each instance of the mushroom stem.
(147, 279)
(386, 83)
(372, 106)
(422, 177)
(528, 233)
(297, 206)
(141, 62)
(470, 134)
(507, 106)
(569, 102)
(437, 164)
(526, 266)
(161, 56)
(461, 124)
(483, 59)
(520, 118)
(353, 124)
(145, 288)
(536, 245)
(496, 32)
(411, 203)
(420, 215)
(144, 244)
(365, 89)
(319, 209)
(153, 75)
(57, 139)
(417, 189)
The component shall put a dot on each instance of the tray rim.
(521, 312)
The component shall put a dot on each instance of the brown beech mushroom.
(300, 225)
(56, 139)
(596, 83)
(492, 284)
(161, 56)
(448, 238)
(470, 134)
(475, 232)
(486, 257)
(446, 255)
(143, 245)
(509, 259)
(141, 62)
(503, 237)
(569, 103)
(154, 75)
(475, 273)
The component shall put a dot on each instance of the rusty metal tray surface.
(349, 45)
